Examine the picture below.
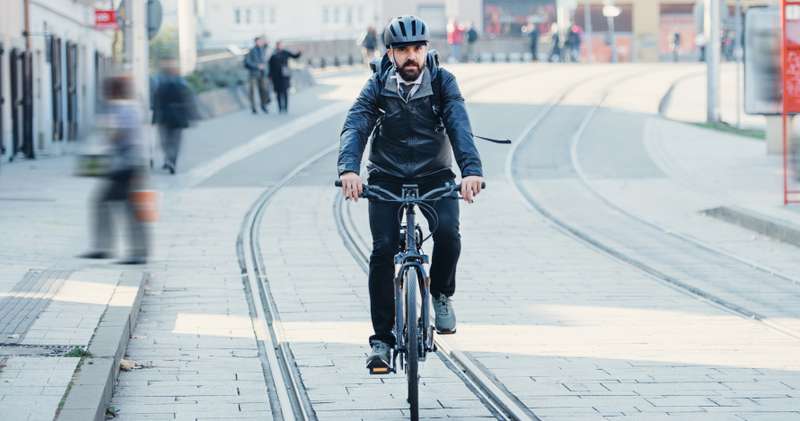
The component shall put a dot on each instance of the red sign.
(790, 73)
(105, 19)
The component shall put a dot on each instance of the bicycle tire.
(412, 343)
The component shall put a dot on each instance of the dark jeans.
(258, 83)
(385, 227)
(283, 100)
(117, 191)
(170, 143)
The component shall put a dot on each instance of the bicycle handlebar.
(379, 193)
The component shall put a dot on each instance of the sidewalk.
(698, 173)
(687, 100)
(63, 322)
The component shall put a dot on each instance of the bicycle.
(413, 334)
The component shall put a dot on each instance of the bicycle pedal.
(379, 370)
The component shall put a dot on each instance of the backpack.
(383, 65)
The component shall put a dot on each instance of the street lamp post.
(712, 29)
(587, 22)
(610, 12)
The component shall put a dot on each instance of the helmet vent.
(422, 29)
(391, 28)
(402, 28)
(414, 28)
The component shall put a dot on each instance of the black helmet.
(405, 30)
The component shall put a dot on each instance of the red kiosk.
(790, 74)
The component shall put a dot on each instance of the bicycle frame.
(411, 258)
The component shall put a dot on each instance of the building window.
(262, 15)
(325, 14)
(335, 14)
(237, 16)
(247, 16)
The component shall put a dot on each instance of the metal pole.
(712, 28)
(739, 62)
(612, 39)
(27, 33)
(587, 22)
(127, 34)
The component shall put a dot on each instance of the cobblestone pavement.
(584, 336)
(572, 333)
(50, 301)
(195, 338)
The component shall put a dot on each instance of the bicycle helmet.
(405, 30)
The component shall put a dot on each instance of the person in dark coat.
(369, 43)
(173, 110)
(256, 64)
(280, 74)
(412, 113)
(534, 37)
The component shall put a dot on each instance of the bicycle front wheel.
(412, 343)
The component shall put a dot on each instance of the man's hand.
(471, 187)
(352, 186)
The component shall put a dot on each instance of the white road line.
(273, 137)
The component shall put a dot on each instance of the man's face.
(261, 42)
(409, 60)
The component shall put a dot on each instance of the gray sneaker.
(379, 358)
(445, 315)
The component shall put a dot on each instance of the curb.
(91, 387)
(774, 228)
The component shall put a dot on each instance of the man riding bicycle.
(414, 114)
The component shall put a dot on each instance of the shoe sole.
(446, 332)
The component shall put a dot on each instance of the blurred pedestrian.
(555, 44)
(533, 34)
(256, 63)
(676, 46)
(122, 123)
(728, 45)
(700, 42)
(573, 43)
(455, 39)
(472, 38)
(281, 74)
(369, 44)
(173, 110)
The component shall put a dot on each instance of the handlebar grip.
(337, 183)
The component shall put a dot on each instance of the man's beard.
(410, 71)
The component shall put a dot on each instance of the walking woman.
(123, 124)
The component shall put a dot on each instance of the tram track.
(605, 246)
(288, 397)
(497, 399)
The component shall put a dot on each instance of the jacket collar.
(425, 89)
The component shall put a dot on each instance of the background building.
(49, 92)
(222, 23)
